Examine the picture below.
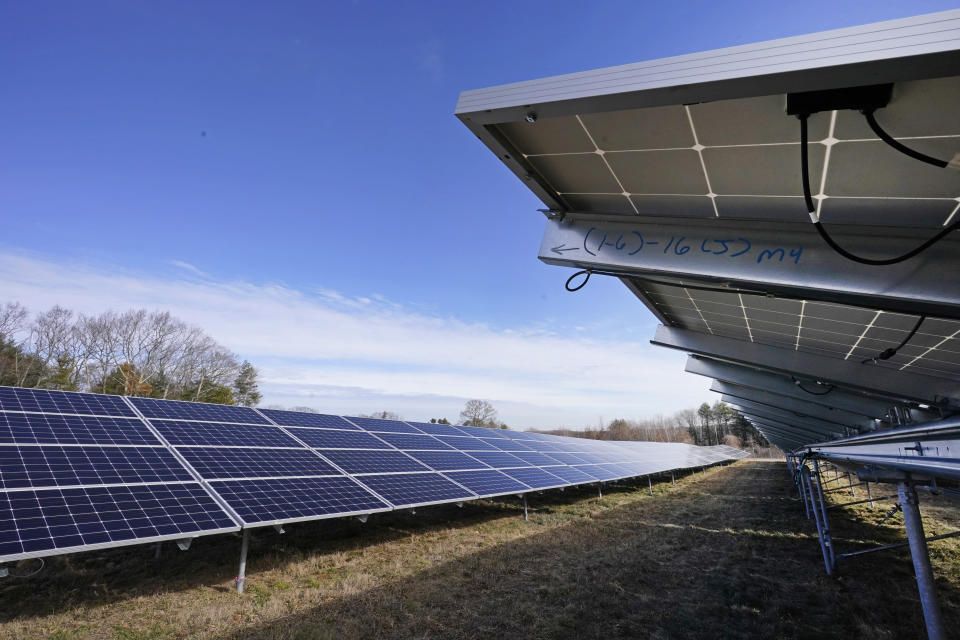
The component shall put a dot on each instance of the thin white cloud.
(347, 354)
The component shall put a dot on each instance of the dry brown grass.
(726, 555)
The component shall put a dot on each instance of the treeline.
(706, 425)
(134, 353)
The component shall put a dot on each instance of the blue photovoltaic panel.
(499, 459)
(547, 447)
(56, 466)
(372, 461)
(375, 424)
(481, 432)
(31, 428)
(301, 419)
(437, 429)
(599, 471)
(570, 474)
(335, 439)
(415, 488)
(593, 458)
(462, 443)
(622, 470)
(568, 458)
(213, 463)
(223, 434)
(536, 459)
(59, 520)
(505, 444)
(15, 399)
(269, 501)
(447, 460)
(488, 482)
(177, 410)
(593, 471)
(535, 478)
(409, 441)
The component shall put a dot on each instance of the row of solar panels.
(83, 471)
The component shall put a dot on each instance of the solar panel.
(230, 462)
(570, 474)
(300, 419)
(506, 444)
(32, 428)
(336, 439)
(357, 462)
(481, 432)
(536, 459)
(488, 483)
(536, 478)
(413, 489)
(178, 432)
(376, 424)
(37, 523)
(272, 501)
(468, 443)
(57, 466)
(499, 459)
(594, 471)
(408, 441)
(568, 458)
(41, 400)
(178, 410)
(437, 429)
(447, 460)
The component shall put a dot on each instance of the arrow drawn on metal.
(560, 248)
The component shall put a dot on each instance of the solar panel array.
(82, 471)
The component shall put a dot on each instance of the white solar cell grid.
(44, 401)
(488, 483)
(415, 442)
(27, 428)
(178, 432)
(412, 489)
(448, 460)
(177, 410)
(740, 158)
(376, 424)
(536, 478)
(437, 429)
(362, 462)
(234, 462)
(301, 419)
(338, 439)
(835, 330)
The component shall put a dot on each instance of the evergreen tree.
(245, 390)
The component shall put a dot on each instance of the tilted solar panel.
(358, 462)
(447, 460)
(376, 424)
(337, 439)
(43, 401)
(488, 483)
(437, 429)
(57, 466)
(33, 428)
(299, 419)
(178, 432)
(570, 474)
(467, 443)
(407, 441)
(274, 501)
(536, 478)
(230, 462)
(499, 459)
(177, 410)
(414, 489)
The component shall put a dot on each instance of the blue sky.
(294, 170)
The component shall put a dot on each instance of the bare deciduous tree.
(478, 413)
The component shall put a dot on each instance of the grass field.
(728, 554)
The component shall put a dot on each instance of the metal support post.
(869, 494)
(524, 496)
(156, 550)
(853, 492)
(650, 485)
(921, 561)
(804, 492)
(673, 482)
(816, 516)
(827, 539)
(242, 573)
(599, 492)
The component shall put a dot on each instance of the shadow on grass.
(704, 563)
(99, 578)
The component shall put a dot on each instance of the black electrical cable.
(916, 155)
(804, 163)
(886, 354)
(582, 284)
(813, 393)
(805, 173)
